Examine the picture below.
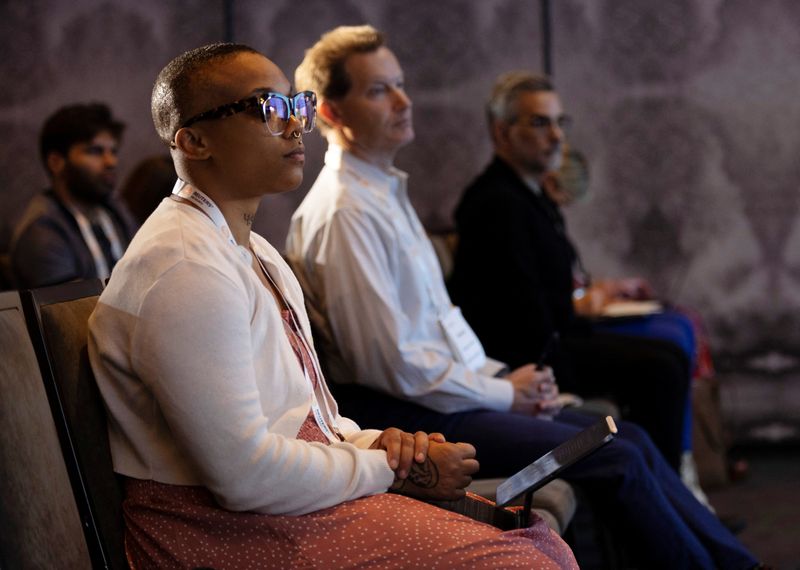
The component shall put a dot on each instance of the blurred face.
(375, 115)
(533, 141)
(89, 170)
(244, 157)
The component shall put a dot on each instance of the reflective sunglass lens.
(305, 111)
(278, 109)
(277, 112)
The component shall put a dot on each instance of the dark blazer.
(513, 267)
(47, 247)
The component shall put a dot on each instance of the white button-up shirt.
(375, 290)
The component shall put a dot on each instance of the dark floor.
(769, 500)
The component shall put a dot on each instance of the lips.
(297, 154)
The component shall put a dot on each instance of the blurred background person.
(147, 185)
(74, 229)
(513, 272)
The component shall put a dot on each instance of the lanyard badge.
(183, 190)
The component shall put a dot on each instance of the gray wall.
(687, 111)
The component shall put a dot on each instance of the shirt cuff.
(498, 394)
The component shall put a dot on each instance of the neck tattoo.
(248, 218)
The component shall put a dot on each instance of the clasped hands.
(535, 392)
(426, 466)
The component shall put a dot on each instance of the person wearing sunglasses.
(400, 351)
(231, 448)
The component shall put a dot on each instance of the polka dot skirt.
(171, 526)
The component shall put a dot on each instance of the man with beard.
(515, 268)
(73, 230)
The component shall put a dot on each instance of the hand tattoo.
(424, 475)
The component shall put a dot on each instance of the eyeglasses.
(276, 110)
(543, 122)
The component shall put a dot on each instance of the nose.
(401, 98)
(110, 158)
(556, 132)
(293, 126)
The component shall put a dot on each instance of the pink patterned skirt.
(171, 526)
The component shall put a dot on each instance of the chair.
(58, 322)
(40, 524)
(555, 502)
(6, 274)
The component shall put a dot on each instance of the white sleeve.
(373, 333)
(192, 347)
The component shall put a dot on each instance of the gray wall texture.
(687, 111)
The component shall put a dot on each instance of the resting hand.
(535, 391)
(636, 288)
(403, 449)
(443, 475)
(592, 300)
(550, 404)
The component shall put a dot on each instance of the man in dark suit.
(513, 274)
(74, 230)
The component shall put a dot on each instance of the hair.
(76, 124)
(149, 183)
(323, 67)
(180, 81)
(508, 88)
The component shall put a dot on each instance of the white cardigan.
(200, 381)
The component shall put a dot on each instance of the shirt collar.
(379, 182)
(532, 184)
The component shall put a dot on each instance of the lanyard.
(206, 205)
(107, 226)
(333, 435)
(209, 208)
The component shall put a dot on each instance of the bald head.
(188, 85)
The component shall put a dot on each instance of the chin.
(406, 139)
(287, 184)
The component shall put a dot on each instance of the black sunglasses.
(276, 110)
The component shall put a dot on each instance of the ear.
(500, 132)
(55, 163)
(192, 144)
(329, 111)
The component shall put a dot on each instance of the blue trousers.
(641, 495)
(671, 326)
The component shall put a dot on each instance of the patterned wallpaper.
(687, 111)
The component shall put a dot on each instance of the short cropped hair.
(76, 124)
(508, 88)
(323, 67)
(180, 79)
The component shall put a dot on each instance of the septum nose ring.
(295, 134)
